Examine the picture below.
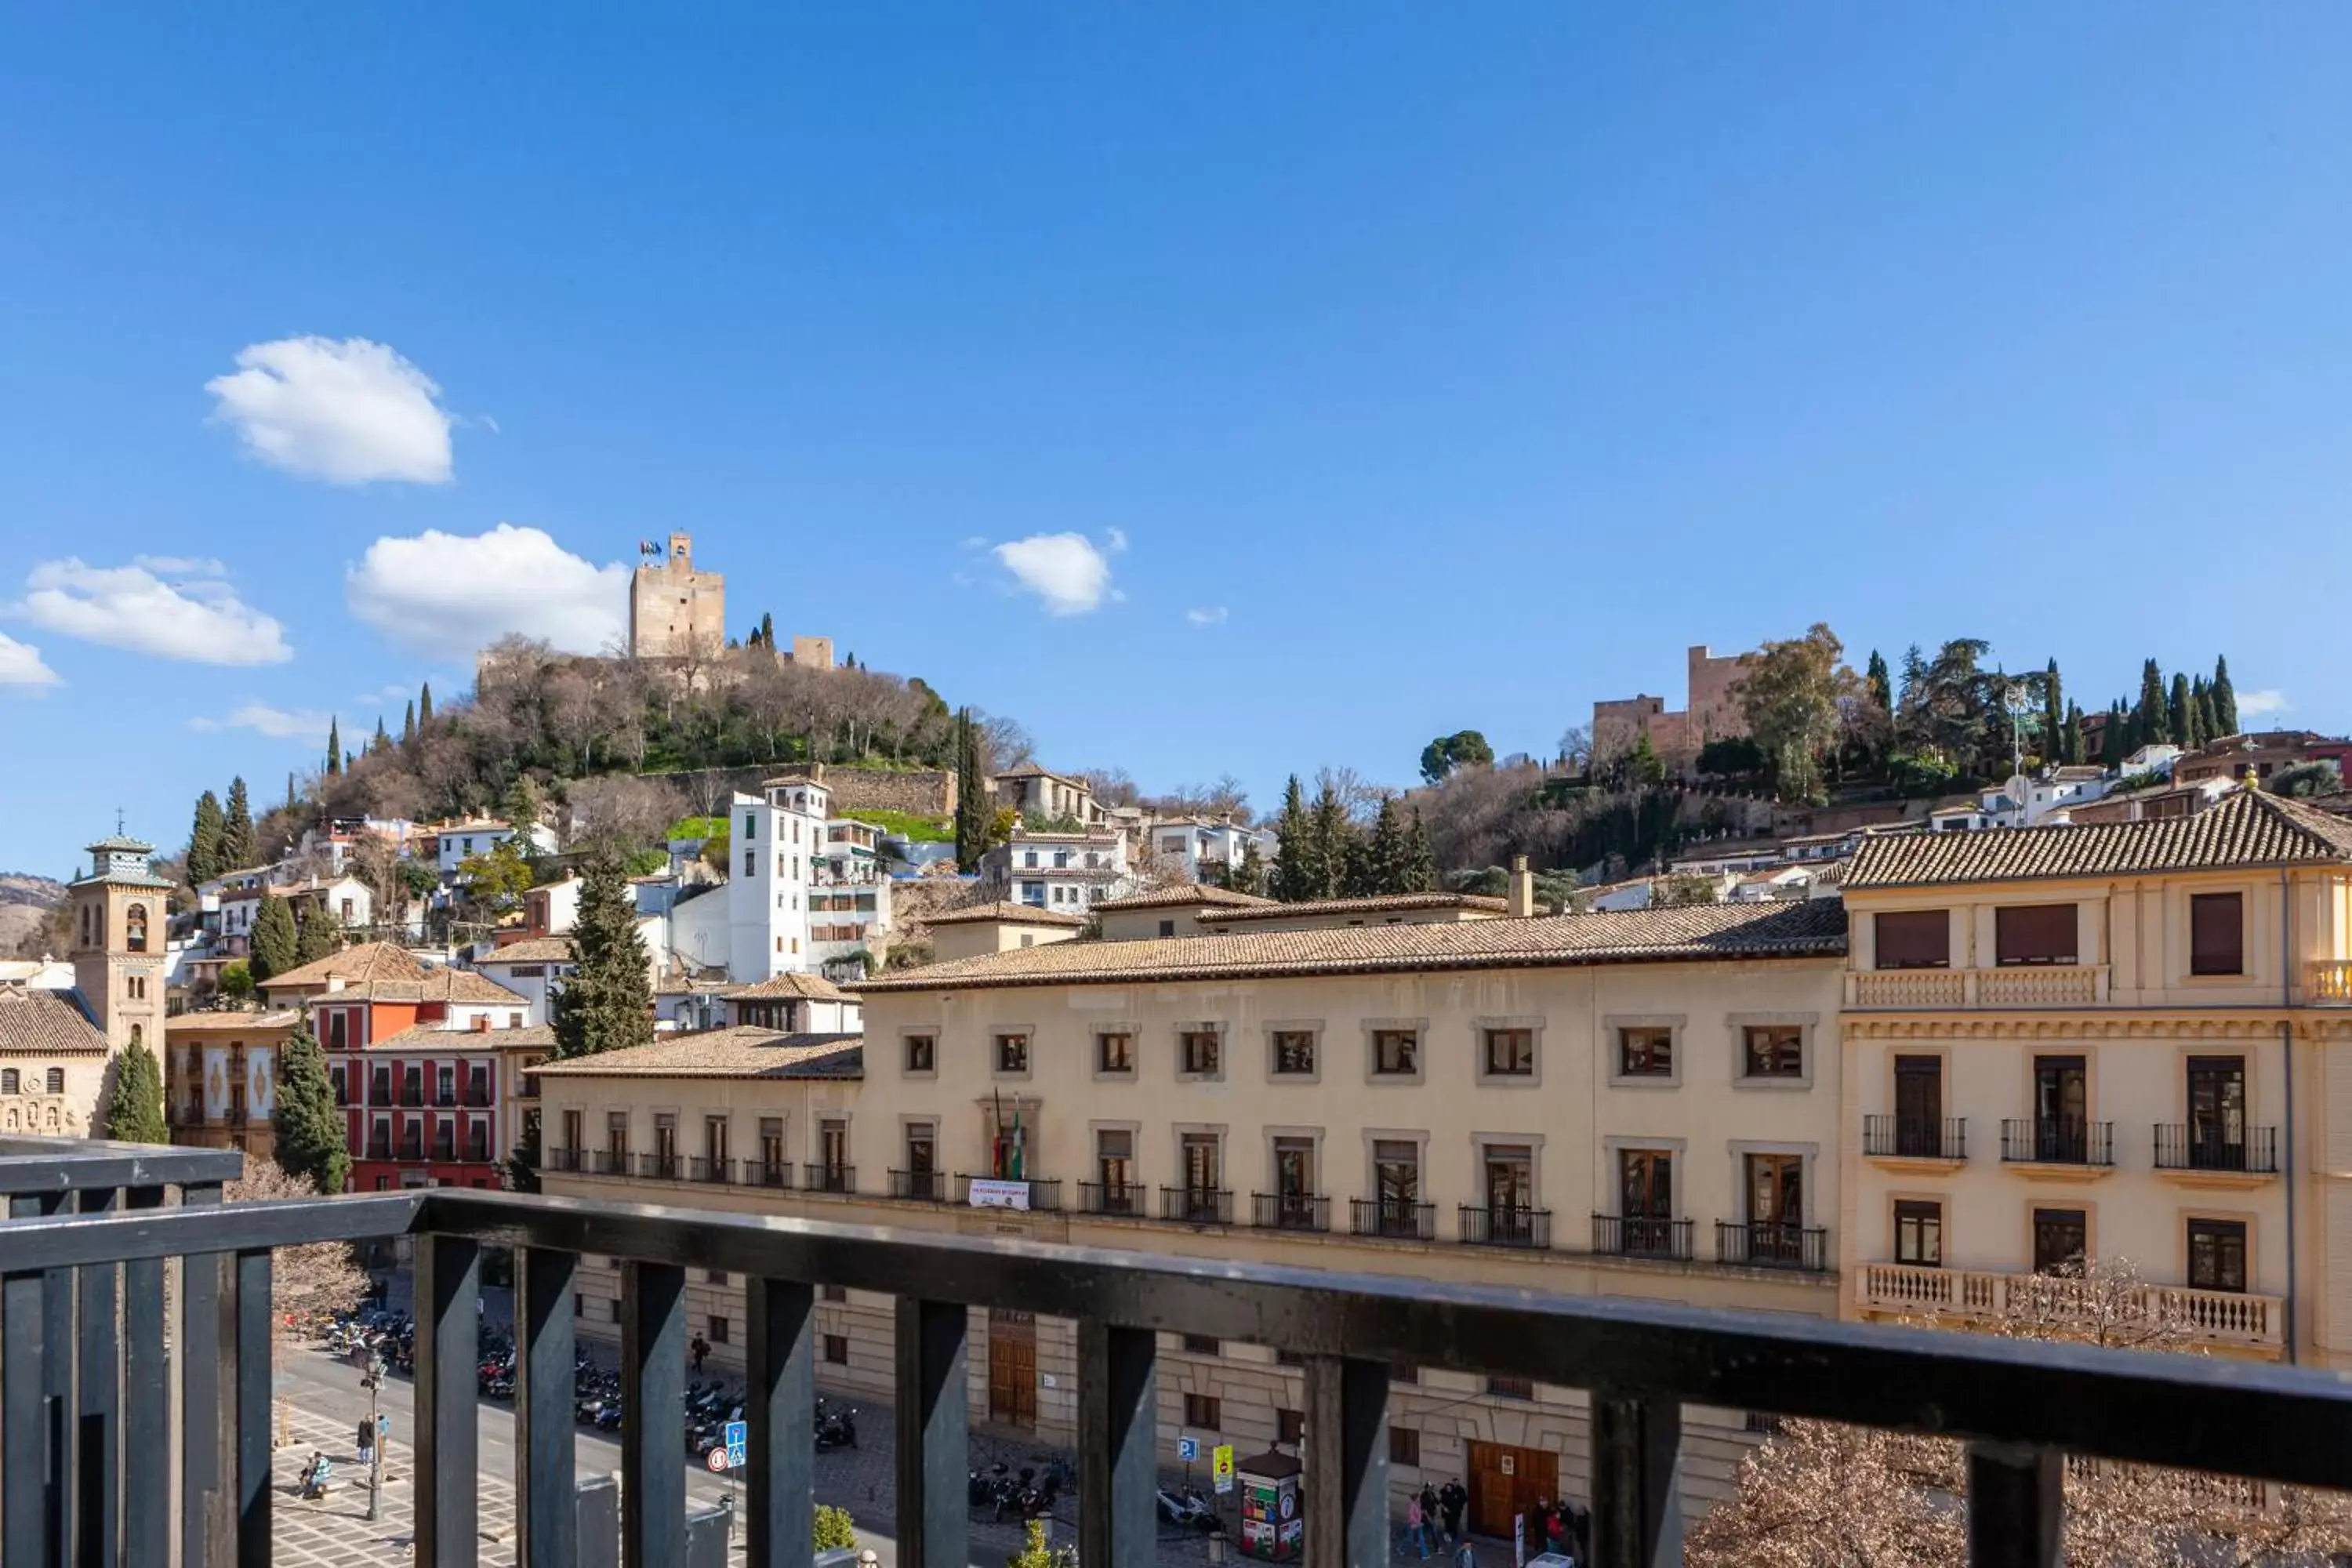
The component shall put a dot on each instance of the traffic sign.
(1221, 1465)
(717, 1460)
(1188, 1448)
(739, 1443)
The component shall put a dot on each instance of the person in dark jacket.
(1451, 1501)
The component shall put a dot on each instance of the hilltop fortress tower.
(673, 608)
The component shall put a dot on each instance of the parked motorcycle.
(836, 1425)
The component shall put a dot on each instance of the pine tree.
(1387, 854)
(2153, 720)
(320, 936)
(205, 840)
(1250, 876)
(523, 803)
(134, 1112)
(425, 706)
(238, 851)
(1335, 841)
(2179, 718)
(277, 945)
(607, 1002)
(2225, 699)
(1297, 858)
(1421, 861)
(334, 748)
(309, 1130)
(2053, 714)
(1880, 685)
(408, 724)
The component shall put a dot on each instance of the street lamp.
(373, 1382)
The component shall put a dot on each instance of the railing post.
(1347, 1452)
(24, 1445)
(1119, 1430)
(147, 1431)
(58, 1399)
(98, 1413)
(1636, 1514)
(547, 1522)
(256, 1327)
(652, 1373)
(203, 1446)
(449, 1283)
(2016, 1503)
(934, 1414)
(779, 1369)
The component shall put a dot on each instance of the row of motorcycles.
(1027, 1493)
(392, 1335)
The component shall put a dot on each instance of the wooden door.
(1012, 1368)
(1505, 1482)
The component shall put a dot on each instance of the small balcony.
(1396, 1219)
(1290, 1211)
(412, 1097)
(2007, 985)
(825, 1178)
(2327, 982)
(1943, 1141)
(1120, 1198)
(2217, 1318)
(566, 1159)
(1197, 1205)
(2085, 1144)
(478, 1098)
(1768, 1244)
(1519, 1228)
(609, 1162)
(767, 1173)
(379, 1149)
(1616, 1235)
(918, 1186)
(661, 1167)
(1042, 1193)
(714, 1173)
(2251, 1153)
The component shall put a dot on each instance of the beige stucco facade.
(674, 610)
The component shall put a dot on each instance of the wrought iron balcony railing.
(767, 1173)
(1915, 1137)
(1619, 1236)
(1290, 1211)
(2058, 1143)
(1395, 1218)
(2250, 1151)
(918, 1186)
(1111, 1198)
(609, 1162)
(718, 1173)
(84, 1316)
(1769, 1244)
(658, 1167)
(1504, 1226)
(563, 1159)
(1044, 1193)
(1197, 1205)
(822, 1178)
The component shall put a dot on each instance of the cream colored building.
(999, 928)
(2128, 1041)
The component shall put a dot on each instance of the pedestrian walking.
(698, 1348)
(1416, 1528)
(1451, 1501)
(366, 1438)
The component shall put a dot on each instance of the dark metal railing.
(84, 1290)
(1045, 1192)
(718, 1173)
(660, 1167)
(478, 1098)
(563, 1159)
(1290, 1211)
(1619, 1236)
(1111, 1198)
(1197, 1205)
(1915, 1137)
(1504, 1226)
(767, 1173)
(609, 1162)
(822, 1178)
(1396, 1218)
(2060, 1143)
(2252, 1152)
(1768, 1244)
(918, 1186)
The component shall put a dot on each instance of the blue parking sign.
(1188, 1448)
(739, 1443)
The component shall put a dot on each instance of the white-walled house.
(1201, 847)
(1068, 871)
(458, 842)
(776, 843)
(531, 969)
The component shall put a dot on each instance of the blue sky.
(1437, 367)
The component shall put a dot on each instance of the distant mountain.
(26, 901)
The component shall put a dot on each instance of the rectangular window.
(1203, 1411)
(922, 1147)
(1198, 1051)
(1396, 1052)
(2217, 1255)
(2217, 933)
(1294, 1052)
(612, 1309)
(1011, 1053)
(1509, 1172)
(1510, 1053)
(751, 862)
(1646, 1052)
(1294, 1167)
(922, 1053)
(2061, 1239)
(1912, 939)
(1396, 1178)
(1114, 1051)
(836, 1350)
(1919, 1107)
(2035, 934)
(1202, 1344)
(1919, 1233)
(717, 1332)
(1290, 1426)
(838, 1295)
(1511, 1387)
(1404, 1447)
(1201, 1156)
(1774, 1050)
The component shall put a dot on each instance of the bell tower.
(119, 926)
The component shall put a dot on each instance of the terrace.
(83, 1346)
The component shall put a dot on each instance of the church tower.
(120, 925)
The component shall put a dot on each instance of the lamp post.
(374, 1383)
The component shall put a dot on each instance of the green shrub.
(834, 1529)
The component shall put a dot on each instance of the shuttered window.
(2217, 933)
(2035, 933)
(1914, 938)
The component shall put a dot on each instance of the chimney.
(1523, 889)
(334, 982)
(481, 1025)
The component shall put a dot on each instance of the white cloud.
(180, 566)
(20, 665)
(277, 723)
(195, 616)
(2268, 700)
(1209, 617)
(451, 594)
(346, 412)
(1118, 540)
(1064, 570)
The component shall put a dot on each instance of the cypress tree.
(205, 840)
(2121, 740)
(383, 740)
(134, 1110)
(1421, 861)
(2209, 716)
(276, 946)
(2054, 715)
(767, 630)
(972, 818)
(425, 706)
(309, 1130)
(1387, 856)
(408, 723)
(2180, 715)
(237, 849)
(320, 936)
(2070, 738)
(1297, 862)
(334, 748)
(1335, 841)
(607, 1002)
(2153, 722)
(1880, 684)
(2225, 699)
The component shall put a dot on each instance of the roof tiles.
(2247, 828)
